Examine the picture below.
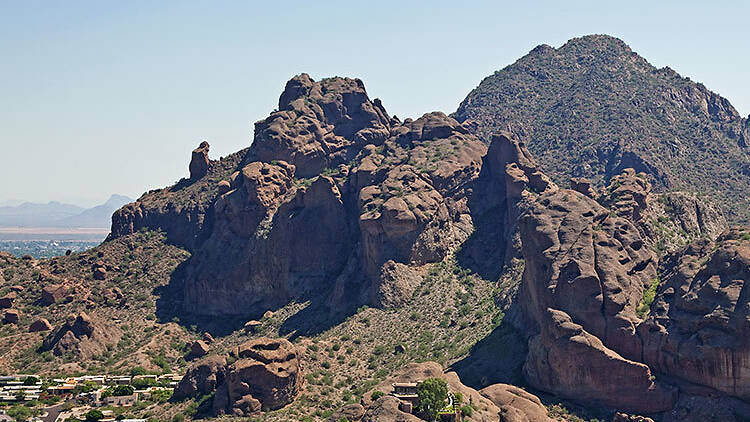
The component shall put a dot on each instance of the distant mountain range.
(57, 214)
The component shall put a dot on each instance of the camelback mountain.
(593, 107)
(346, 250)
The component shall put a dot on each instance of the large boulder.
(201, 378)
(11, 316)
(350, 412)
(516, 404)
(40, 324)
(198, 348)
(53, 293)
(386, 409)
(267, 375)
(7, 300)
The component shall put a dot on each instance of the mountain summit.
(594, 107)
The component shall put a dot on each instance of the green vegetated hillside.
(594, 107)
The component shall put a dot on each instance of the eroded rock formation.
(329, 192)
(267, 375)
(82, 337)
(699, 323)
(201, 378)
(199, 161)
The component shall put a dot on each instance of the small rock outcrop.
(54, 293)
(516, 404)
(199, 161)
(351, 412)
(386, 409)
(201, 378)
(667, 221)
(81, 336)
(7, 300)
(40, 324)
(11, 316)
(198, 349)
(267, 375)
(100, 270)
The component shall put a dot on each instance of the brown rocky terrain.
(699, 321)
(92, 324)
(330, 191)
(256, 274)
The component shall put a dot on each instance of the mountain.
(56, 214)
(594, 107)
(39, 215)
(345, 250)
(98, 216)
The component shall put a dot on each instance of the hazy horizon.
(110, 98)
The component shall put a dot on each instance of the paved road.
(52, 413)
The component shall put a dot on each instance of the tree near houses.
(432, 394)
(94, 415)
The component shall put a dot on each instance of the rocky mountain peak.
(319, 125)
(593, 107)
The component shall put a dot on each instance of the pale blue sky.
(101, 97)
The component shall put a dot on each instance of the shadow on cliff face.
(483, 252)
(316, 317)
(498, 358)
(169, 307)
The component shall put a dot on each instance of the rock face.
(509, 176)
(181, 211)
(585, 274)
(699, 323)
(199, 161)
(81, 336)
(201, 378)
(516, 404)
(566, 360)
(330, 191)
(583, 261)
(267, 375)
